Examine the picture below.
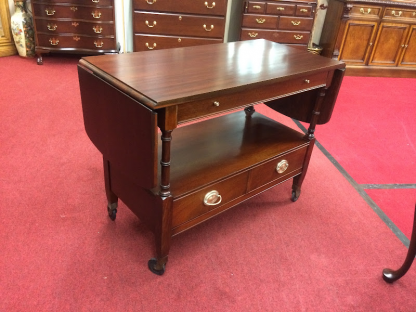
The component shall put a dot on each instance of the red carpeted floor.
(60, 251)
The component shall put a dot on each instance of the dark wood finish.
(74, 26)
(204, 168)
(288, 22)
(373, 38)
(169, 24)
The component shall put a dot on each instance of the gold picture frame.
(7, 46)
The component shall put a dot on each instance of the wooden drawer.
(73, 12)
(154, 42)
(295, 23)
(191, 206)
(180, 25)
(217, 7)
(281, 36)
(83, 2)
(304, 10)
(256, 7)
(366, 10)
(280, 9)
(76, 42)
(398, 14)
(274, 170)
(216, 105)
(260, 21)
(78, 27)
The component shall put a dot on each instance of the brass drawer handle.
(76, 38)
(256, 7)
(53, 41)
(364, 12)
(216, 103)
(147, 23)
(150, 2)
(253, 35)
(282, 166)
(260, 20)
(52, 27)
(50, 11)
(394, 13)
(298, 37)
(296, 23)
(98, 45)
(212, 198)
(304, 10)
(307, 81)
(210, 7)
(150, 48)
(280, 9)
(96, 14)
(95, 1)
(97, 29)
(205, 27)
(74, 9)
(75, 24)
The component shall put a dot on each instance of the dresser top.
(173, 76)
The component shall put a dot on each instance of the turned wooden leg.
(112, 199)
(390, 275)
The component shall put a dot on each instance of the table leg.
(112, 199)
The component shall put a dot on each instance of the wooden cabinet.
(288, 22)
(76, 26)
(168, 24)
(375, 38)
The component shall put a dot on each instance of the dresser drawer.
(282, 167)
(280, 9)
(73, 12)
(281, 36)
(217, 7)
(295, 23)
(304, 10)
(256, 7)
(260, 21)
(83, 2)
(366, 10)
(397, 14)
(76, 27)
(219, 104)
(195, 204)
(155, 42)
(181, 25)
(77, 42)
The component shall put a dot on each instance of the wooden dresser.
(374, 38)
(288, 22)
(177, 177)
(77, 26)
(165, 24)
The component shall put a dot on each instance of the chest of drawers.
(165, 24)
(288, 22)
(86, 27)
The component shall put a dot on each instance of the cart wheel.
(112, 211)
(152, 263)
(295, 195)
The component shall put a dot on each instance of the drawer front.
(276, 169)
(260, 21)
(192, 205)
(256, 7)
(73, 12)
(280, 36)
(397, 14)
(216, 105)
(82, 2)
(76, 27)
(304, 10)
(150, 42)
(295, 23)
(217, 7)
(280, 9)
(77, 42)
(365, 10)
(180, 25)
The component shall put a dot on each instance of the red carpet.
(60, 251)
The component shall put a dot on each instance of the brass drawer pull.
(216, 103)
(75, 24)
(50, 11)
(212, 198)
(304, 10)
(95, 1)
(296, 23)
(52, 27)
(76, 38)
(256, 7)
(253, 35)
(147, 23)
(280, 9)
(53, 41)
(150, 48)
(394, 13)
(298, 37)
(364, 12)
(205, 27)
(74, 9)
(150, 2)
(98, 45)
(210, 7)
(97, 29)
(307, 81)
(96, 14)
(260, 20)
(282, 166)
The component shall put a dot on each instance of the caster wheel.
(152, 263)
(295, 196)
(112, 211)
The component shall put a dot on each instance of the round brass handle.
(212, 198)
(208, 29)
(210, 7)
(282, 166)
(149, 47)
(148, 25)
